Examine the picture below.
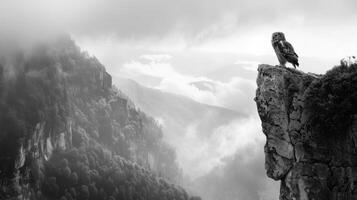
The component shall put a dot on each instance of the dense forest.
(66, 133)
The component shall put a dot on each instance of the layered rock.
(309, 165)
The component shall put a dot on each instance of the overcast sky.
(168, 44)
(320, 28)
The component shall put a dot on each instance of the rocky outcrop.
(309, 165)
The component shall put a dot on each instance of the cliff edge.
(310, 163)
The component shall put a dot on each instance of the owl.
(284, 50)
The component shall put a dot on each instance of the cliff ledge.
(309, 164)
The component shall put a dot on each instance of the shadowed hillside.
(66, 133)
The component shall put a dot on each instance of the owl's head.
(277, 36)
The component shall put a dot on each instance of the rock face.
(309, 166)
(67, 133)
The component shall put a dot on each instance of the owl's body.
(284, 50)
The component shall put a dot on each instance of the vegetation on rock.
(93, 173)
(332, 100)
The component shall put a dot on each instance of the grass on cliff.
(332, 100)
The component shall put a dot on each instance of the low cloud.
(240, 174)
(240, 177)
(248, 65)
(199, 155)
(236, 93)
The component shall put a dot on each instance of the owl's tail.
(293, 60)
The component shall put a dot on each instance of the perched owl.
(284, 50)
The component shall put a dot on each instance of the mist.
(198, 53)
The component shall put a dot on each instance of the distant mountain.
(205, 86)
(182, 118)
(175, 108)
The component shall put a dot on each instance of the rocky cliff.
(66, 133)
(310, 163)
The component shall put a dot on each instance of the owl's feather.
(287, 49)
(288, 52)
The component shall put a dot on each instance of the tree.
(67, 172)
(74, 178)
(50, 187)
(93, 192)
(83, 193)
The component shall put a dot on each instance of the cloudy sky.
(171, 44)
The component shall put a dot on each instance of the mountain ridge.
(68, 134)
(119, 80)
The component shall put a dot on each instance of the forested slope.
(66, 133)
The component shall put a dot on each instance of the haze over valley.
(148, 99)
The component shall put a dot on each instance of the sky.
(171, 44)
